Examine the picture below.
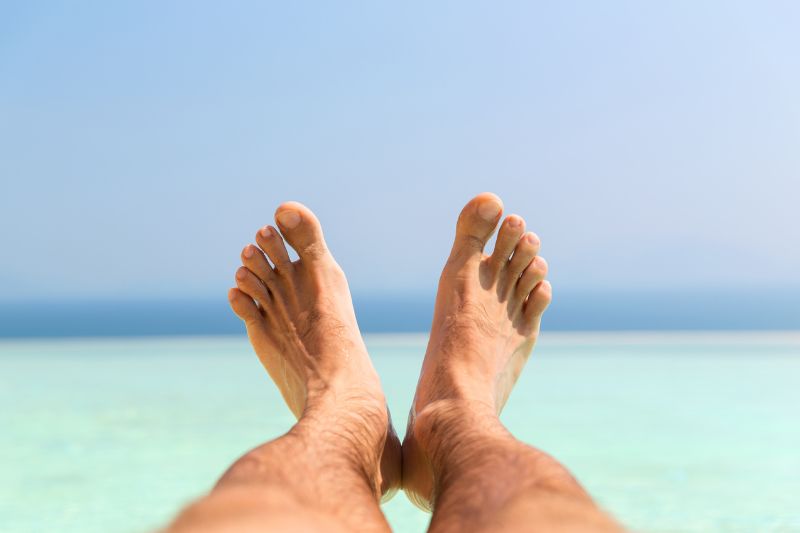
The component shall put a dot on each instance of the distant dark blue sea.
(571, 311)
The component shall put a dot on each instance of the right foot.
(486, 321)
(300, 321)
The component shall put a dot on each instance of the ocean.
(670, 431)
(669, 309)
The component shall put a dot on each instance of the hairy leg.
(486, 480)
(458, 459)
(330, 470)
(318, 477)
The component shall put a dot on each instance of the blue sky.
(651, 145)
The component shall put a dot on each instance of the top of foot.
(300, 320)
(299, 314)
(488, 308)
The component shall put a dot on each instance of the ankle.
(464, 389)
(444, 418)
(445, 429)
(444, 437)
(349, 434)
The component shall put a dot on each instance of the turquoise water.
(670, 432)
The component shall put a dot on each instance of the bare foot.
(486, 321)
(300, 320)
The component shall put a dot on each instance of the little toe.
(531, 276)
(476, 223)
(525, 251)
(272, 243)
(507, 238)
(302, 230)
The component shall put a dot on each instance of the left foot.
(300, 320)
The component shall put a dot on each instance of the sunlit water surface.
(669, 432)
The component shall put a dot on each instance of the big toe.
(477, 222)
(301, 229)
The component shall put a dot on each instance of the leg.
(458, 459)
(329, 471)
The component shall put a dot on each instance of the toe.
(525, 251)
(476, 223)
(508, 236)
(302, 230)
(271, 242)
(538, 301)
(255, 261)
(248, 283)
(244, 306)
(531, 276)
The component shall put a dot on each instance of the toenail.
(266, 232)
(248, 251)
(289, 219)
(240, 274)
(533, 239)
(514, 222)
(488, 211)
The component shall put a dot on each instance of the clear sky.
(650, 144)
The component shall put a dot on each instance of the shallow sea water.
(669, 432)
